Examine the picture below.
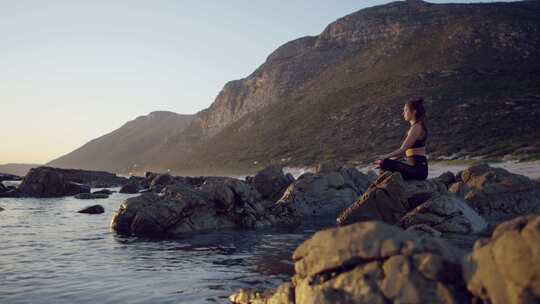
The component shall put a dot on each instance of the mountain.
(339, 95)
(136, 144)
(17, 169)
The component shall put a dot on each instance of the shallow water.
(49, 253)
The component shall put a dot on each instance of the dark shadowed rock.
(324, 194)
(216, 204)
(130, 188)
(271, 182)
(389, 198)
(103, 191)
(160, 181)
(2, 188)
(9, 177)
(497, 194)
(445, 213)
(1, 209)
(93, 179)
(91, 196)
(505, 269)
(371, 262)
(96, 209)
(447, 178)
(47, 182)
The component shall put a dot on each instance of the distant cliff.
(340, 94)
(137, 144)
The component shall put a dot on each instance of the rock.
(372, 262)
(46, 182)
(447, 178)
(389, 198)
(284, 294)
(159, 181)
(329, 166)
(324, 194)
(103, 191)
(93, 179)
(9, 177)
(130, 188)
(91, 196)
(271, 182)
(96, 209)
(496, 194)
(3, 188)
(1, 209)
(217, 204)
(445, 213)
(506, 268)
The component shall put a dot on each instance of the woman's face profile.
(407, 114)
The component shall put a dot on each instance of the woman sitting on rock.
(413, 147)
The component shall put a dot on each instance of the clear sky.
(73, 70)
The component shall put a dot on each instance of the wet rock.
(445, 213)
(130, 188)
(506, 267)
(91, 196)
(389, 198)
(218, 203)
(326, 193)
(271, 182)
(496, 194)
(95, 209)
(46, 182)
(372, 262)
(103, 191)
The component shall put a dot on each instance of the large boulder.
(271, 182)
(326, 193)
(506, 268)
(218, 203)
(371, 262)
(496, 194)
(47, 182)
(389, 198)
(445, 213)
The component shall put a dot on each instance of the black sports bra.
(420, 143)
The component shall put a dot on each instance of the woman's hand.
(377, 162)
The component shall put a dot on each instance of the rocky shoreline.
(397, 241)
(469, 236)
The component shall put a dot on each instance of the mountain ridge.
(463, 58)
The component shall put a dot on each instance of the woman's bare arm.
(413, 134)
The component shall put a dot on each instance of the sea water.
(49, 253)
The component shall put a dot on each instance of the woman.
(413, 147)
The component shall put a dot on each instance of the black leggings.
(416, 167)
